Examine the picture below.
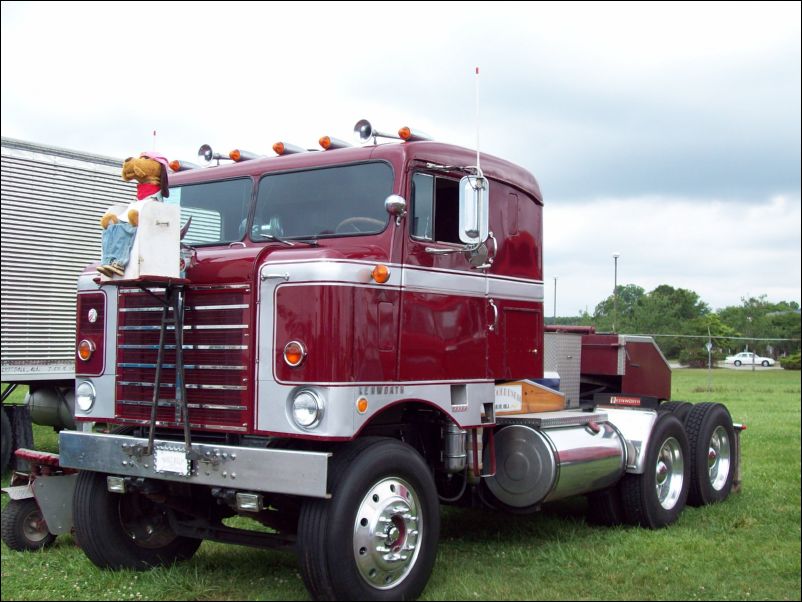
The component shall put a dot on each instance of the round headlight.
(307, 409)
(85, 396)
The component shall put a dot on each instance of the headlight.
(85, 395)
(307, 409)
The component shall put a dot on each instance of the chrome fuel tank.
(541, 458)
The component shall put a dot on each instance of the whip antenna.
(478, 168)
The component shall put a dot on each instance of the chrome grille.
(217, 352)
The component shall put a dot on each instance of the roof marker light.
(407, 134)
(177, 165)
(285, 148)
(329, 143)
(242, 155)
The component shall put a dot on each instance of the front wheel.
(737, 363)
(764, 363)
(376, 538)
(124, 530)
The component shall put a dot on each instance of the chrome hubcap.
(669, 473)
(388, 531)
(718, 458)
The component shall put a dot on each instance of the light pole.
(616, 255)
(555, 299)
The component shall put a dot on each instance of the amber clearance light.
(381, 273)
(294, 353)
(85, 349)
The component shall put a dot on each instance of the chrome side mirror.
(474, 209)
(396, 205)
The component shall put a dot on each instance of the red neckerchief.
(143, 191)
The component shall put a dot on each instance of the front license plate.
(171, 460)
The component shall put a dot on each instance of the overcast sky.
(669, 133)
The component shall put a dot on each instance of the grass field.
(747, 548)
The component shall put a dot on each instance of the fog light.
(115, 484)
(249, 502)
(307, 409)
(85, 395)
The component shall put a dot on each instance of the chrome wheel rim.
(669, 473)
(718, 458)
(388, 531)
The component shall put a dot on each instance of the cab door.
(444, 310)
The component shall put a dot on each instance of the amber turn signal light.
(294, 353)
(381, 273)
(85, 349)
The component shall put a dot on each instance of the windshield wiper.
(290, 243)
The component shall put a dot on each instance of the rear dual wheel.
(712, 453)
(655, 498)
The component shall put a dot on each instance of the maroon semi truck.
(356, 337)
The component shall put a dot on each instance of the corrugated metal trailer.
(52, 200)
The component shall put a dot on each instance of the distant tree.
(757, 317)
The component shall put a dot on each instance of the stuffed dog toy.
(120, 223)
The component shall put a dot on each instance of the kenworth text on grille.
(356, 338)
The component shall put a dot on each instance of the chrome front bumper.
(249, 468)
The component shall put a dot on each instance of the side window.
(435, 208)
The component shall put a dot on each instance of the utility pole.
(555, 299)
(616, 255)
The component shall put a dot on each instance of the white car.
(747, 358)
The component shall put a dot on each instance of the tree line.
(678, 311)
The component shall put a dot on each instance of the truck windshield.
(219, 210)
(334, 201)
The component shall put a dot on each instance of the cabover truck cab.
(356, 338)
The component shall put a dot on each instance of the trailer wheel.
(376, 538)
(24, 527)
(680, 409)
(655, 498)
(6, 440)
(712, 458)
(124, 531)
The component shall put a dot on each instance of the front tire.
(124, 531)
(376, 538)
(655, 498)
(712, 453)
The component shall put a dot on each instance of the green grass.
(747, 548)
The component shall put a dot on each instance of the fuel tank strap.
(545, 420)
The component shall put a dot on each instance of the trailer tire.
(6, 441)
(712, 444)
(655, 498)
(24, 527)
(379, 487)
(124, 531)
(680, 409)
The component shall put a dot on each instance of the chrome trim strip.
(188, 307)
(186, 366)
(190, 327)
(130, 383)
(195, 347)
(170, 403)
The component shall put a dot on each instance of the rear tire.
(764, 363)
(24, 528)
(737, 363)
(376, 538)
(124, 531)
(655, 498)
(712, 453)
(680, 409)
